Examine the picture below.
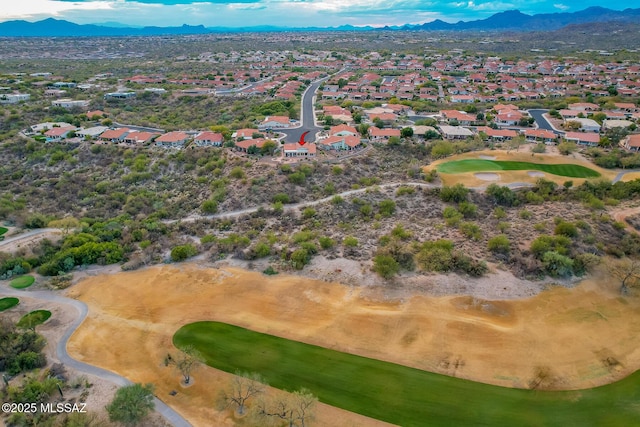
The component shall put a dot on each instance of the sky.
(284, 13)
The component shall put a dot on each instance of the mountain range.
(512, 20)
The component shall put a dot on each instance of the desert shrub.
(468, 209)
(564, 228)
(499, 244)
(457, 193)
(436, 256)
(539, 148)
(308, 212)
(557, 265)
(525, 214)
(385, 266)
(237, 173)
(499, 213)
(401, 191)
(387, 207)
(209, 207)
(350, 242)
(281, 198)
(262, 250)
(300, 258)
(545, 243)
(502, 195)
(452, 216)
(326, 242)
(471, 230)
(182, 252)
(297, 178)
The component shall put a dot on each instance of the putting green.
(403, 395)
(3, 230)
(7, 303)
(22, 282)
(33, 319)
(481, 165)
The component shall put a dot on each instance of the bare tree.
(186, 361)
(243, 387)
(628, 272)
(297, 409)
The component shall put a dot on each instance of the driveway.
(542, 122)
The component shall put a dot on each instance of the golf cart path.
(61, 348)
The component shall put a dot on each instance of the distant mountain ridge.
(514, 20)
(511, 20)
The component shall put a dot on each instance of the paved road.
(623, 173)
(61, 348)
(543, 123)
(307, 116)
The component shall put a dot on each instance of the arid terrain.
(584, 336)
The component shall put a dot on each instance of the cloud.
(561, 6)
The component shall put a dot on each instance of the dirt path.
(621, 215)
(77, 310)
(584, 336)
(13, 243)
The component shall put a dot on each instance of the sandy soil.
(552, 157)
(630, 176)
(586, 335)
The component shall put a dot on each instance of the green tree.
(406, 132)
(457, 193)
(131, 404)
(300, 258)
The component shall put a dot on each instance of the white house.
(70, 103)
(14, 98)
(587, 125)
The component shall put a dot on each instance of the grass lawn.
(33, 319)
(481, 165)
(22, 282)
(7, 303)
(403, 395)
(3, 230)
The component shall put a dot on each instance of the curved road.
(61, 348)
(542, 122)
(307, 115)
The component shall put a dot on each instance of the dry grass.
(567, 331)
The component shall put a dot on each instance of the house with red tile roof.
(137, 138)
(343, 130)
(540, 135)
(462, 117)
(275, 122)
(296, 150)
(114, 135)
(172, 139)
(497, 135)
(631, 142)
(583, 138)
(245, 144)
(508, 118)
(246, 133)
(208, 139)
(59, 133)
(377, 134)
(96, 114)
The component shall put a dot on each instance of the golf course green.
(3, 230)
(401, 395)
(482, 165)
(33, 319)
(22, 282)
(7, 303)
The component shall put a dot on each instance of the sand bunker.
(535, 174)
(485, 157)
(574, 333)
(485, 176)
